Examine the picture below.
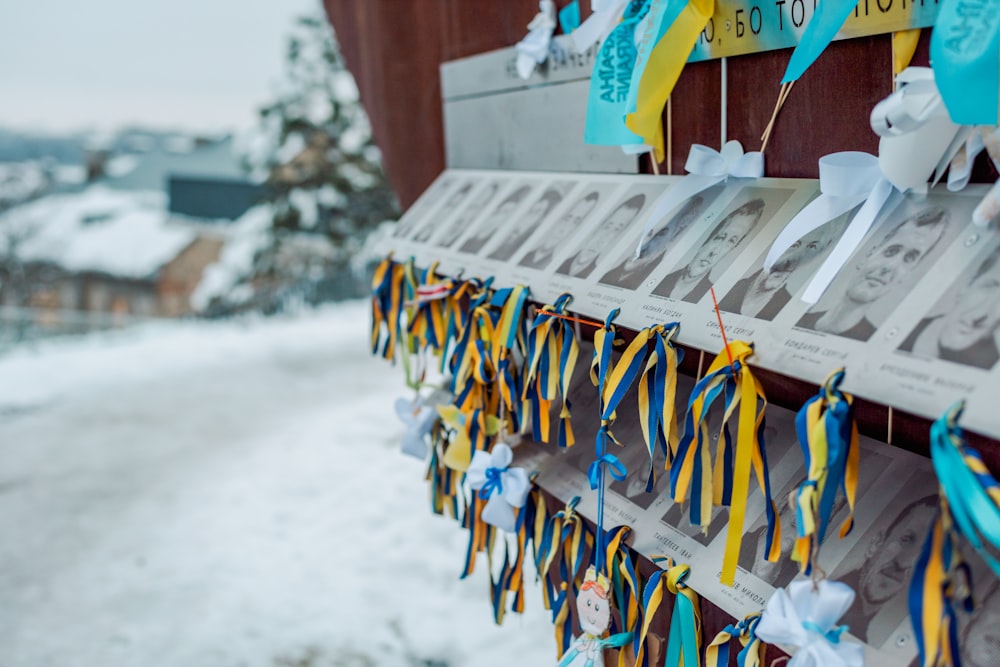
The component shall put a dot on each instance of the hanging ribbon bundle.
(706, 167)
(657, 397)
(510, 343)
(828, 437)
(445, 483)
(511, 578)
(671, 32)
(389, 292)
(567, 539)
(551, 359)
(846, 180)
(612, 382)
(969, 511)
(609, 81)
(428, 320)
(728, 484)
(684, 638)
(752, 653)
(625, 583)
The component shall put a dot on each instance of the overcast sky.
(198, 64)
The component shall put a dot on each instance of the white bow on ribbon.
(806, 619)
(595, 29)
(419, 419)
(505, 487)
(845, 180)
(918, 139)
(706, 167)
(534, 48)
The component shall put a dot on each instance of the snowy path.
(205, 494)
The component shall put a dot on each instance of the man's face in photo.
(887, 571)
(722, 242)
(803, 250)
(606, 234)
(976, 313)
(658, 239)
(568, 223)
(890, 262)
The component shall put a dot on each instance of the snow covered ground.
(205, 494)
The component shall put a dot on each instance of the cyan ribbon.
(610, 82)
(965, 55)
(826, 22)
(569, 17)
(832, 635)
(614, 466)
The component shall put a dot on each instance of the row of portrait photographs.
(534, 225)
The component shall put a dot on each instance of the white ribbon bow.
(706, 167)
(534, 48)
(918, 139)
(806, 619)
(419, 419)
(845, 180)
(506, 487)
(596, 28)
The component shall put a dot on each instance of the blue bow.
(616, 468)
(493, 482)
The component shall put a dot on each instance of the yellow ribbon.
(666, 61)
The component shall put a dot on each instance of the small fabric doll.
(593, 606)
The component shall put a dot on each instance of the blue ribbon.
(493, 482)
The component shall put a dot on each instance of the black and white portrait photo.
(452, 203)
(883, 560)
(889, 262)
(762, 294)
(962, 325)
(427, 201)
(477, 203)
(566, 226)
(638, 262)
(606, 235)
(499, 217)
(519, 230)
(634, 455)
(753, 555)
(742, 220)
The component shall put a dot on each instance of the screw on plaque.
(971, 241)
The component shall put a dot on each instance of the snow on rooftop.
(123, 234)
(248, 235)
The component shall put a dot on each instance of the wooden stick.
(670, 137)
(786, 89)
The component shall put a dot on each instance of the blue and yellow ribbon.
(658, 397)
(828, 437)
(752, 652)
(625, 583)
(729, 481)
(565, 539)
(551, 359)
(969, 511)
(684, 638)
(389, 293)
(612, 382)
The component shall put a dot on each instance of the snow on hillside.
(231, 493)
